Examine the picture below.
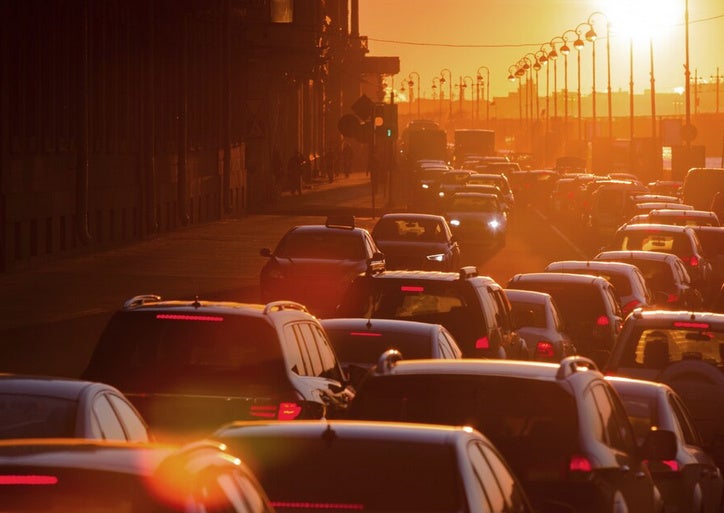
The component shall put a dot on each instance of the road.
(53, 314)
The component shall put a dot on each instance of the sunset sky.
(463, 35)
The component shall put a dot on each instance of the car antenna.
(196, 303)
(369, 322)
(329, 435)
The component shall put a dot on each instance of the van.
(701, 184)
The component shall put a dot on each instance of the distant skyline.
(465, 35)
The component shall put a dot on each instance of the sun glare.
(641, 19)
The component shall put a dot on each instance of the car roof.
(350, 429)
(637, 254)
(64, 388)
(641, 387)
(647, 227)
(594, 265)
(558, 277)
(681, 212)
(666, 317)
(530, 296)
(464, 274)
(386, 325)
(321, 228)
(412, 215)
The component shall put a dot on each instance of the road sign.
(363, 107)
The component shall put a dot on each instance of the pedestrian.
(347, 154)
(294, 172)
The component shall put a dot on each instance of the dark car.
(416, 241)
(691, 481)
(359, 342)
(376, 467)
(561, 426)
(313, 264)
(472, 307)
(57, 407)
(191, 365)
(711, 239)
(666, 277)
(588, 304)
(685, 350)
(477, 219)
(63, 475)
(681, 241)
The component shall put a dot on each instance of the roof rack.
(340, 221)
(572, 364)
(140, 300)
(277, 306)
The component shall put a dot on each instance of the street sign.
(363, 107)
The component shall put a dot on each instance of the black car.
(473, 307)
(416, 241)
(561, 427)
(313, 264)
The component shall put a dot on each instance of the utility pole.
(717, 78)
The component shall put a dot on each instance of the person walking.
(295, 167)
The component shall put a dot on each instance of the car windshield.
(36, 416)
(325, 244)
(186, 353)
(474, 204)
(337, 474)
(410, 230)
(654, 348)
(528, 420)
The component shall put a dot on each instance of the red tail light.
(284, 411)
(412, 288)
(198, 318)
(482, 343)
(672, 298)
(28, 480)
(663, 465)
(544, 350)
(603, 321)
(628, 307)
(289, 411)
(693, 261)
(316, 505)
(579, 463)
(695, 325)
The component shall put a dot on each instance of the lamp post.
(592, 36)
(450, 84)
(578, 44)
(464, 85)
(553, 56)
(435, 87)
(486, 92)
(653, 90)
(631, 92)
(565, 50)
(534, 103)
(543, 60)
(411, 83)
(512, 77)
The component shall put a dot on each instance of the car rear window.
(363, 346)
(654, 348)
(421, 477)
(36, 416)
(658, 274)
(186, 352)
(525, 418)
(532, 315)
(576, 301)
(326, 244)
(411, 230)
(674, 243)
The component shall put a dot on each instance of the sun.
(643, 19)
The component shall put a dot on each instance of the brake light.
(672, 464)
(663, 465)
(603, 321)
(628, 307)
(672, 298)
(364, 334)
(32, 480)
(266, 412)
(687, 324)
(411, 288)
(579, 463)
(289, 411)
(693, 261)
(284, 411)
(544, 350)
(482, 343)
(316, 505)
(179, 317)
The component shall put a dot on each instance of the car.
(537, 320)
(561, 426)
(588, 305)
(477, 219)
(412, 240)
(499, 180)
(685, 350)
(712, 244)
(473, 307)
(645, 207)
(681, 241)
(629, 284)
(312, 264)
(391, 467)
(565, 197)
(452, 181)
(533, 186)
(691, 481)
(60, 407)
(701, 185)
(665, 187)
(666, 278)
(359, 342)
(608, 206)
(191, 365)
(683, 217)
(102, 476)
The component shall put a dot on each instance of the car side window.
(329, 360)
(136, 431)
(450, 345)
(502, 308)
(110, 426)
(295, 361)
(617, 433)
(687, 429)
(485, 478)
(309, 349)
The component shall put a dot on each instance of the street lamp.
(450, 84)
(411, 83)
(592, 36)
(553, 56)
(565, 50)
(578, 44)
(463, 86)
(512, 77)
(435, 87)
(486, 92)
(543, 60)
(534, 104)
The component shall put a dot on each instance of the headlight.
(425, 186)
(454, 222)
(494, 224)
(441, 194)
(436, 258)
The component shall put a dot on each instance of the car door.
(627, 474)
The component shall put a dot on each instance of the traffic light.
(386, 121)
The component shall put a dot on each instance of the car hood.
(310, 267)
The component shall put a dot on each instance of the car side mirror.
(265, 252)
(659, 445)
